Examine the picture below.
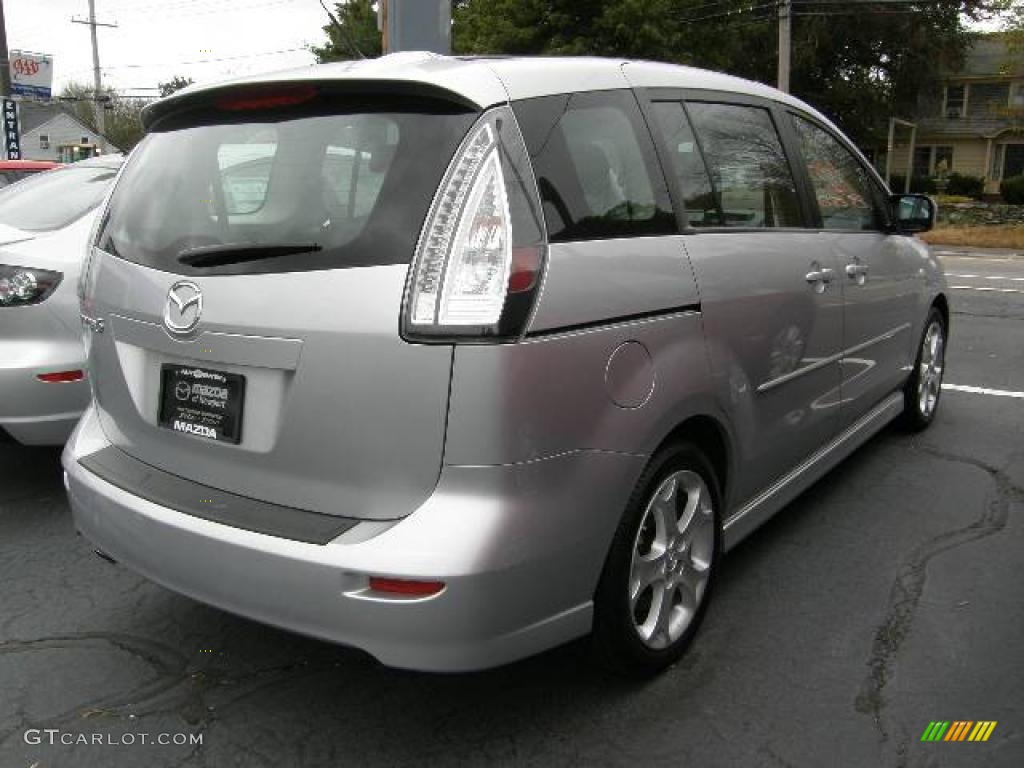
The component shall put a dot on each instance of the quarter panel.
(548, 395)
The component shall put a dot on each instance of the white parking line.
(983, 391)
(957, 256)
(982, 288)
(986, 277)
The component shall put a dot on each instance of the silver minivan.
(455, 360)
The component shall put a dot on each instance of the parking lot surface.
(887, 597)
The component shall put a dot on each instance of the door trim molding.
(822, 362)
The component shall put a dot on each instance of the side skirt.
(771, 500)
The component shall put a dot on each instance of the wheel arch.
(942, 304)
(710, 435)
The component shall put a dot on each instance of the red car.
(15, 170)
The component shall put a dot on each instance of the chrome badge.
(184, 306)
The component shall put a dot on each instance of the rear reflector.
(63, 377)
(266, 98)
(525, 268)
(406, 587)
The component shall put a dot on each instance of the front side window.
(595, 167)
(749, 170)
(841, 185)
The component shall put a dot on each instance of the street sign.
(31, 74)
(12, 136)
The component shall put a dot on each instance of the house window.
(44, 141)
(922, 161)
(943, 160)
(955, 97)
(1017, 100)
(988, 99)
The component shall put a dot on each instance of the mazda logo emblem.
(184, 306)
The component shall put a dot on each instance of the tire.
(923, 389)
(631, 634)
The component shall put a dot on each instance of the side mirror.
(912, 213)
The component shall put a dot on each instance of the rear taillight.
(20, 286)
(481, 252)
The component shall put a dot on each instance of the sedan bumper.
(34, 342)
(519, 548)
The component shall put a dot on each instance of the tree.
(859, 65)
(123, 125)
(176, 83)
(122, 116)
(354, 36)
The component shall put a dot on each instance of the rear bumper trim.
(191, 498)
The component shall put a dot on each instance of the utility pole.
(5, 64)
(97, 78)
(785, 42)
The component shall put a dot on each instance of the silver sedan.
(44, 225)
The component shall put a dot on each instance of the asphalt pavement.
(888, 596)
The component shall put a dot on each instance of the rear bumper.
(519, 547)
(34, 412)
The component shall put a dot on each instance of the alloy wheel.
(929, 377)
(671, 559)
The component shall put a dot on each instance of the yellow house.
(972, 123)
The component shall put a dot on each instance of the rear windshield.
(54, 199)
(353, 181)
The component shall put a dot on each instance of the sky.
(207, 40)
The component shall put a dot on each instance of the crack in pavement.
(168, 663)
(176, 689)
(908, 587)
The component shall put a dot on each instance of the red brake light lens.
(61, 377)
(406, 587)
(525, 268)
(266, 98)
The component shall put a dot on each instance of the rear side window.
(52, 200)
(749, 171)
(688, 165)
(841, 185)
(595, 166)
(351, 178)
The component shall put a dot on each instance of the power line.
(154, 65)
(735, 13)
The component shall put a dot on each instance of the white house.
(49, 131)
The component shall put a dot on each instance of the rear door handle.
(857, 272)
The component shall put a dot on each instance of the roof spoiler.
(205, 98)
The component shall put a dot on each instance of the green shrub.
(922, 185)
(967, 186)
(1012, 190)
